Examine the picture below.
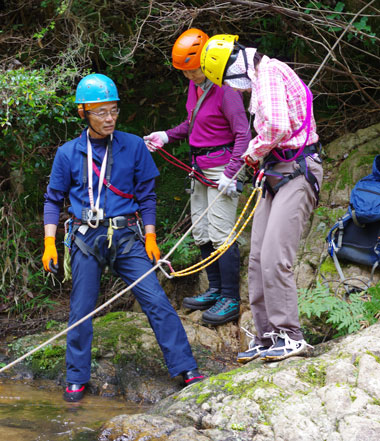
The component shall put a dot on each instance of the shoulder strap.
(110, 186)
(198, 105)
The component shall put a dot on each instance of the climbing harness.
(298, 155)
(232, 237)
(95, 217)
(270, 161)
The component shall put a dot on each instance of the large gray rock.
(333, 396)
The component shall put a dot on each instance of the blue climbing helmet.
(96, 88)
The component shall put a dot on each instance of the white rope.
(116, 296)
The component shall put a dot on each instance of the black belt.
(199, 151)
(129, 220)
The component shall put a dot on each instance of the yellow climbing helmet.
(215, 55)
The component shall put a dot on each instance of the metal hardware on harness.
(260, 179)
(169, 276)
(113, 225)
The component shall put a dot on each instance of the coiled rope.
(257, 191)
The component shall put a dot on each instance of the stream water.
(35, 411)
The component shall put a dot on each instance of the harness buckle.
(115, 221)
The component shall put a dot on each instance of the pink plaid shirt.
(281, 110)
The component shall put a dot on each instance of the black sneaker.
(73, 392)
(191, 377)
(224, 310)
(203, 301)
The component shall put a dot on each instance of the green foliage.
(48, 358)
(185, 255)
(35, 116)
(343, 315)
(337, 14)
(372, 306)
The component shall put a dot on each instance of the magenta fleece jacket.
(220, 120)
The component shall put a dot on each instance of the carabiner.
(169, 265)
(90, 216)
(260, 179)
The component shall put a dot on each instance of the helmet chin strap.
(88, 121)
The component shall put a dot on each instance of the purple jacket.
(220, 120)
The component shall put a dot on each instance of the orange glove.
(50, 257)
(151, 247)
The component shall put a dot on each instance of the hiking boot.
(254, 350)
(191, 377)
(283, 347)
(203, 301)
(73, 392)
(224, 310)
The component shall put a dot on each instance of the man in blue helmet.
(108, 175)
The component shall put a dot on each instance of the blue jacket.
(132, 164)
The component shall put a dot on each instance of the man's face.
(195, 75)
(103, 119)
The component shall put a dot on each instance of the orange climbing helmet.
(187, 49)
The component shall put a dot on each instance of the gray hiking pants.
(217, 224)
(276, 232)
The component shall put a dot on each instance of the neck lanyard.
(94, 207)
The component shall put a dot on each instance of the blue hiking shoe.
(254, 349)
(224, 310)
(203, 301)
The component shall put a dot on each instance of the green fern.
(372, 306)
(345, 316)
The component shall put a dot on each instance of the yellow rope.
(226, 244)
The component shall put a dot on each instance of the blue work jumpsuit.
(132, 164)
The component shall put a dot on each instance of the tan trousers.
(220, 219)
(276, 232)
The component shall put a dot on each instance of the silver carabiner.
(90, 215)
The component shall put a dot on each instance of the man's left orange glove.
(151, 247)
(50, 257)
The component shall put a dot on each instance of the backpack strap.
(355, 218)
(376, 249)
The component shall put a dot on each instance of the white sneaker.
(283, 347)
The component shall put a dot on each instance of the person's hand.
(156, 140)
(251, 163)
(50, 257)
(151, 247)
(228, 184)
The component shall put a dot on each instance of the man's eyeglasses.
(103, 113)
